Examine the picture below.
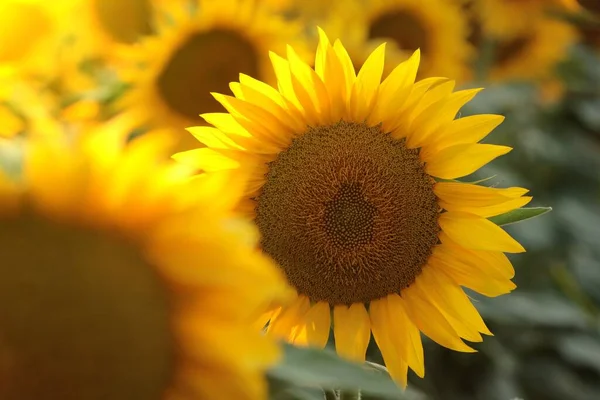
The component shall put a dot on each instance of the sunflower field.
(300, 199)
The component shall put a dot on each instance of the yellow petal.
(429, 289)
(225, 123)
(477, 233)
(458, 194)
(395, 89)
(432, 322)
(348, 67)
(285, 324)
(451, 299)
(265, 317)
(206, 159)
(493, 263)
(464, 130)
(397, 367)
(212, 137)
(256, 120)
(309, 90)
(366, 85)
(406, 334)
(316, 326)
(277, 108)
(352, 330)
(462, 159)
(478, 281)
(491, 211)
(281, 67)
(437, 116)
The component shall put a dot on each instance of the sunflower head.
(98, 27)
(437, 28)
(354, 192)
(200, 51)
(31, 33)
(126, 278)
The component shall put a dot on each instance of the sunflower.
(590, 26)
(30, 35)
(99, 25)
(197, 52)
(436, 27)
(513, 18)
(353, 192)
(123, 278)
(534, 53)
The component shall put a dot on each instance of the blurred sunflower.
(534, 53)
(513, 18)
(590, 26)
(344, 194)
(30, 35)
(197, 52)
(98, 25)
(436, 27)
(124, 279)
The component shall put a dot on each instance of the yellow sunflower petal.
(477, 233)
(478, 281)
(462, 159)
(452, 299)
(458, 194)
(493, 263)
(366, 85)
(432, 322)
(316, 326)
(285, 324)
(430, 289)
(206, 159)
(464, 130)
(352, 330)
(406, 333)
(380, 323)
(491, 211)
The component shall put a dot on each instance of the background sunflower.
(88, 278)
(197, 51)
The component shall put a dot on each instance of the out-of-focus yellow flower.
(124, 278)
(342, 190)
(197, 52)
(590, 27)
(513, 18)
(533, 54)
(31, 35)
(96, 26)
(436, 27)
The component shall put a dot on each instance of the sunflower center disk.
(403, 28)
(83, 316)
(207, 62)
(349, 213)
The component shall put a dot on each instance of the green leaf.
(323, 368)
(518, 215)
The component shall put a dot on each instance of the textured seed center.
(205, 63)
(83, 316)
(401, 26)
(349, 217)
(349, 213)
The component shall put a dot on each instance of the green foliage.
(305, 373)
(521, 214)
